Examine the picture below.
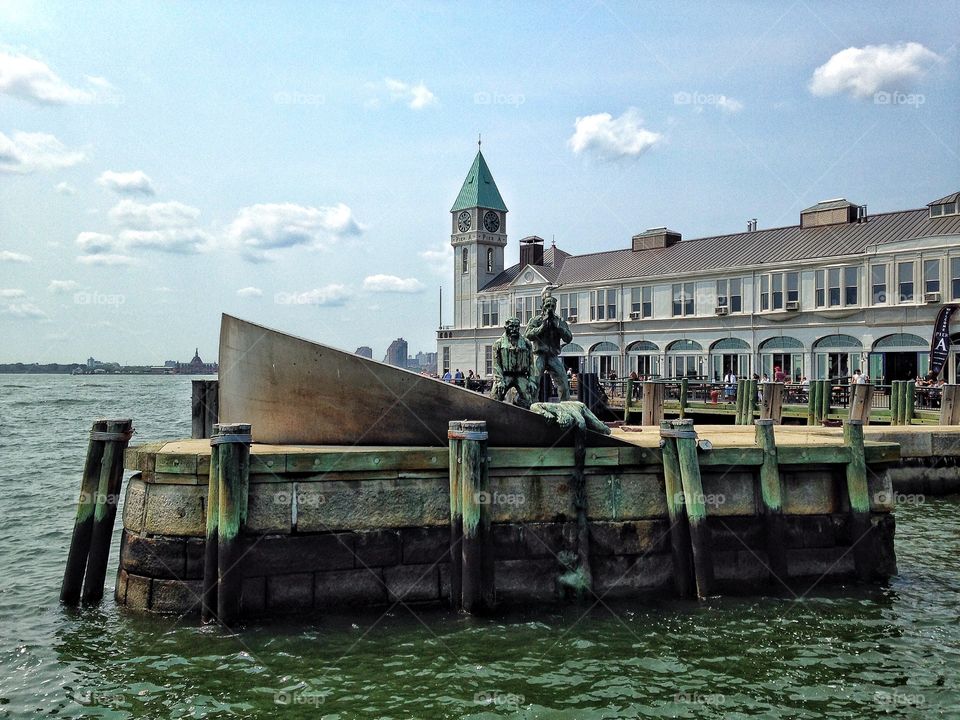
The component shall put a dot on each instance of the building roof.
(479, 189)
(952, 197)
(739, 250)
(829, 205)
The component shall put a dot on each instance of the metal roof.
(952, 197)
(829, 205)
(479, 189)
(746, 249)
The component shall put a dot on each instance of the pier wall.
(350, 527)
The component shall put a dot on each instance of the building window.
(820, 295)
(833, 287)
(683, 299)
(567, 305)
(931, 276)
(446, 359)
(955, 278)
(489, 313)
(730, 294)
(524, 308)
(778, 288)
(837, 287)
(878, 284)
(943, 209)
(464, 261)
(851, 276)
(488, 359)
(641, 302)
(793, 288)
(489, 260)
(603, 304)
(905, 282)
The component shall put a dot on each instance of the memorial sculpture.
(547, 331)
(513, 365)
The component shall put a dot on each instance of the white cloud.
(62, 286)
(105, 259)
(93, 243)
(440, 259)
(729, 104)
(11, 293)
(25, 310)
(162, 226)
(250, 292)
(28, 152)
(332, 295)
(134, 215)
(65, 188)
(30, 79)
(10, 256)
(610, 138)
(135, 182)
(863, 71)
(391, 284)
(415, 97)
(259, 229)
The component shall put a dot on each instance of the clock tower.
(478, 235)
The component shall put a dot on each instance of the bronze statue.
(513, 365)
(548, 331)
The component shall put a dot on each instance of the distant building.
(426, 362)
(197, 366)
(364, 351)
(397, 353)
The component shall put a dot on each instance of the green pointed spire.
(479, 189)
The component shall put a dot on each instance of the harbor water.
(832, 652)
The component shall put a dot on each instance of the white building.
(840, 291)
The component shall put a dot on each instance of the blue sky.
(294, 164)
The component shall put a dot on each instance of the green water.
(835, 653)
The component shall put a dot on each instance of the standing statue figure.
(513, 365)
(548, 331)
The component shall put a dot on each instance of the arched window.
(489, 260)
(464, 261)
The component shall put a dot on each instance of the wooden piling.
(652, 403)
(861, 401)
(233, 446)
(455, 442)
(896, 397)
(208, 608)
(205, 408)
(771, 407)
(115, 437)
(859, 498)
(684, 396)
(695, 503)
(812, 402)
(826, 396)
(679, 525)
(909, 401)
(950, 405)
(771, 497)
(83, 525)
(477, 581)
(741, 399)
(628, 401)
(751, 406)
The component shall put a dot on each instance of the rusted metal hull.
(292, 390)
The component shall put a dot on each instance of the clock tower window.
(489, 260)
(464, 261)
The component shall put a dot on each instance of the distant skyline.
(294, 164)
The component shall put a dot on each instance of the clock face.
(463, 221)
(491, 221)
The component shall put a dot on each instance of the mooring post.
(861, 400)
(233, 447)
(949, 405)
(204, 408)
(83, 525)
(628, 401)
(812, 403)
(651, 412)
(751, 402)
(771, 408)
(115, 438)
(909, 405)
(896, 403)
(826, 393)
(741, 398)
(771, 496)
(679, 525)
(454, 439)
(208, 609)
(477, 581)
(695, 503)
(684, 396)
(859, 496)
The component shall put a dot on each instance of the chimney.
(752, 225)
(654, 238)
(531, 251)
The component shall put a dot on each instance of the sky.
(294, 164)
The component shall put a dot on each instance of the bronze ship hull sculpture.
(295, 391)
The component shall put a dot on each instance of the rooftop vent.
(531, 251)
(653, 238)
(830, 212)
(752, 225)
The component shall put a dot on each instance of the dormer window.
(945, 206)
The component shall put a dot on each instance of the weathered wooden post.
(83, 525)
(861, 400)
(233, 446)
(115, 438)
(751, 405)
(684, 396)
(859, 496)
(205, 408)
(812, 402)
(909, 402)
(896, 403)
(826, 395)
(679, 525)
(477, 581)
(771, 496)
(695, 503)
(771, 408)
(628, 401)
(741, 399)
(652, 403)
(455, 438)
(211, 550)
(950, 405)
